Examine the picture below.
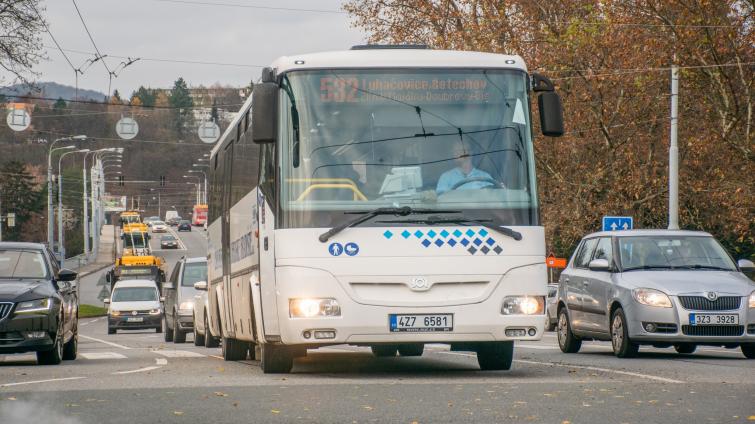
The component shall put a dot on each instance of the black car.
(173, 221)
(38, 304)
(168, 242)
(184, 226)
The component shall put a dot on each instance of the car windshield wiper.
(698, 266)
(435, 220)
(643, 267)
(400, 211)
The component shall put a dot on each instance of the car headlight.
(751, 303)
(309, 308)
(186, 305)
(154, 312)
(652, 297)
(34, 306)
(523, 305)
(115, 313)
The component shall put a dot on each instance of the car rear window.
(22, 264)
(194, 272)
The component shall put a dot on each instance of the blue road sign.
(617, 223)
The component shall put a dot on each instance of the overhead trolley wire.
(90, 37)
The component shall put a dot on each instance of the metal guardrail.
(75, 262)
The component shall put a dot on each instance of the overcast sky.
(184, 30)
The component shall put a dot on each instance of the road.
(135, 377)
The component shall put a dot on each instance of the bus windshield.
(426, 138)
(136, 240)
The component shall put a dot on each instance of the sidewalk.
(104, 256)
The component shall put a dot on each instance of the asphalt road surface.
(135, 377)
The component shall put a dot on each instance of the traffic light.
(162, 180)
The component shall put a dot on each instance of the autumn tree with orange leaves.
(610, 61)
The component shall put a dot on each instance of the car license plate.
(713, 319)
(421, 323)
(134, 319)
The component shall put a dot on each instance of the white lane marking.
(105, 342)
(606, 370)
(160, 362)
(92, 321)
(216, 356)
(102, 355)
(40, 381)
(178, 354)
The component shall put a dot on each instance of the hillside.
(52, 90)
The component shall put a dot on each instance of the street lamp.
(61, 239)
(50, 236)
(198, 184)
(204, 193)
(90, 200)
(159, 201)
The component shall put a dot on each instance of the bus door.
(228, 320)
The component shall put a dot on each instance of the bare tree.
(20, 41)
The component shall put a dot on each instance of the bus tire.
(411, 349)
(234, 350)
(384, 351)
(276, 359)
(495, 355)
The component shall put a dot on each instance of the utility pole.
(673, 160)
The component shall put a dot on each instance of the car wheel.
(168, 332)
(276, 359)
(71, 349)
(54, 355)
(198, 338)
(111, 330)
(623, 347)
(411, 349)
(234, 350)
(685, 348)
(209, 341)
(159, 329)
(495, 356)
(178, 335)
(384, 351)
(567, 341)
(748, 349)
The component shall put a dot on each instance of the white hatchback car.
(134, 305)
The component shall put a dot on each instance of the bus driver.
(464, 171)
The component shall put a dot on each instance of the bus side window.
(267, 171)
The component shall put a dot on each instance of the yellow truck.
(130, 217)
(135, 238)
(146, 267)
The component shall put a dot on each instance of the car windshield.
(643, 252)
(185, 223)
(168, 238)
(158, 223)
(134, 294)
(194, 272)
(22, 264)
(424, 138)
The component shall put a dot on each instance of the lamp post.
(61, 239)
(198, 184)
(50, 236)
(87, 225)
(159, 201)
(204, 193)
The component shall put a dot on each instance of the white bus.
(381, 197)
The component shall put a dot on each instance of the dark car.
(38, 304)
(184, 226)
(168, 242)
(173, 221)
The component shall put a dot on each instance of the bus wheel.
(411, 349)
(276, 359)
(234, 350)
(495, 355)
(383, 351)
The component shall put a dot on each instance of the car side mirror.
(66, 275)
(746, 265)
(200, 285)
(106, 301)
(168, 285)
(265, 113)
(599, 265)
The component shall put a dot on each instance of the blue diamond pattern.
(405, 234)
(432, 234)
(439, 242)
(452, 242)
(457, 233)
(418, 234)
(472, 250)
(426, 242)
(477, 242)
(490, 241)
(497, 250)
(483, 232)
(464, 242)
(470, 232)
(388, 234)
(445, 234)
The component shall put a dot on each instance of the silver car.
(655, 287)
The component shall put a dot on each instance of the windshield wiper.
(650, 267)
(399, 211)
(435, 220)
(698, 266)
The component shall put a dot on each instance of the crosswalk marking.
(178, 354)
(102, 355)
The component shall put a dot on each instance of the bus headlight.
(523, 305)
(310, 308)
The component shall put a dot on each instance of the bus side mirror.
(549, 106)
(265, 113)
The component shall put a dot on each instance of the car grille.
(5, 309)
(713, 330)
(751, 329)
(700, 303)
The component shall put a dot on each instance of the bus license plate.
(134, 319)
(421, 323)
(713, 319)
